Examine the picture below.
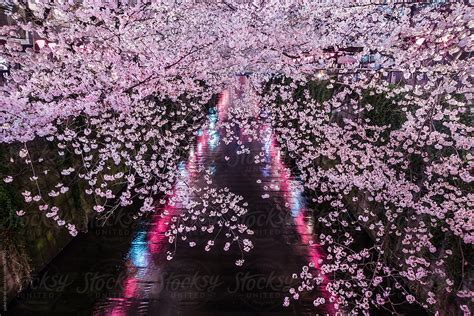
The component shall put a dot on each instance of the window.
(6, 19)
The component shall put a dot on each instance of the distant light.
(445, 38)
(420, 41)
(3, 64)
(40, 43)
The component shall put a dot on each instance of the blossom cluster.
(374, 111)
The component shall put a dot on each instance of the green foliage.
(319, 90)
(10, 202)
(454, 263)
(384, 109)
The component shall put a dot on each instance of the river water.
(121, 268)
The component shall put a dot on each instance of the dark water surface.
(122, 269)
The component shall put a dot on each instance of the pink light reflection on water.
(156, 240)
(294, 201)
(223, 105)
(139, 264)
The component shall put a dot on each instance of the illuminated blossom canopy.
(122, 88)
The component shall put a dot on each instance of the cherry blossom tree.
(122, 88)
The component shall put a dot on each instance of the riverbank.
(31, 239)
(319, 125)
(131, 273)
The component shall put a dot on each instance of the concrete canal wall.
(30, 242)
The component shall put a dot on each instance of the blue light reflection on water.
(267, 143)
(138, 252)
(212, 169)
(212, 131)
(143, 269)
(295, 203)
(182, 169)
